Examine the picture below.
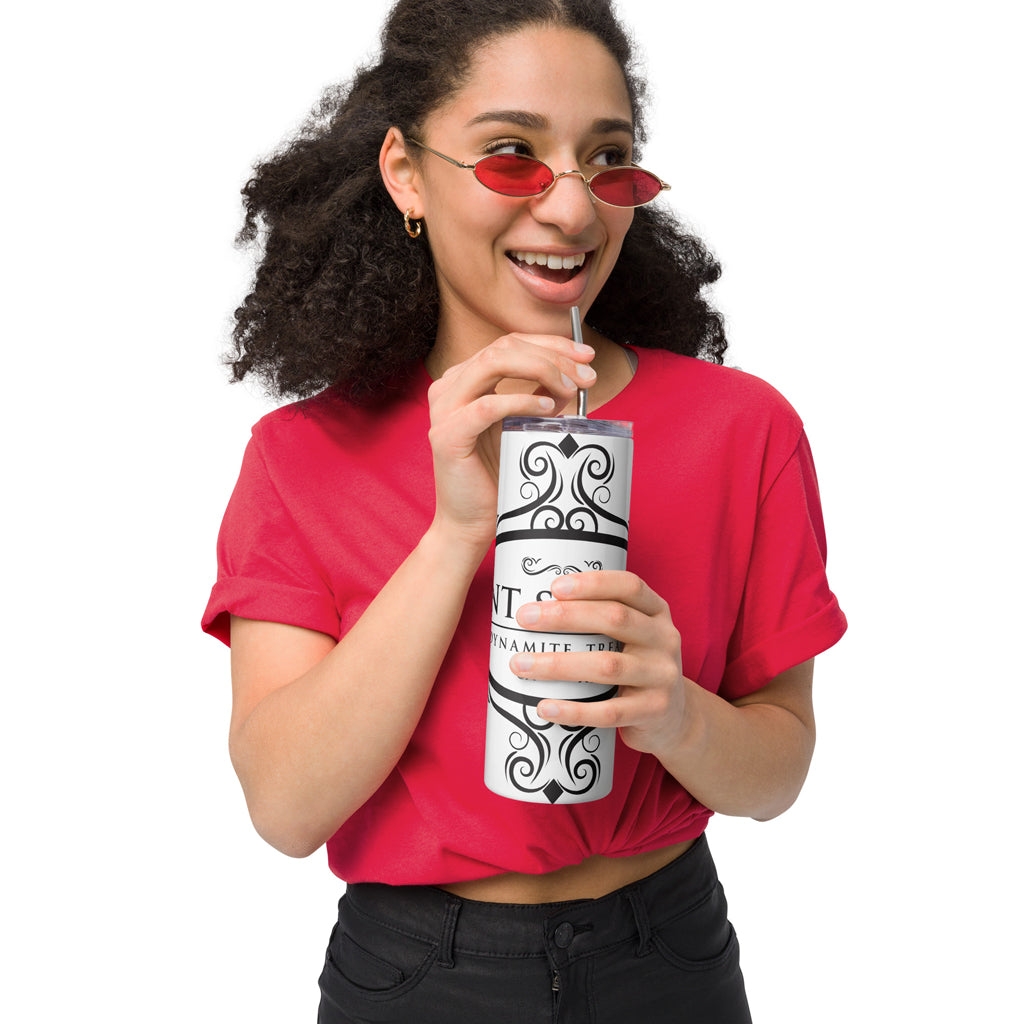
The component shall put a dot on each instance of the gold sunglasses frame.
(665, 186)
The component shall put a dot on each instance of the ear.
(400, 175)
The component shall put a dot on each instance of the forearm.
(747, 759)
(311, 752)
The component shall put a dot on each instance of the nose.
(568, 205)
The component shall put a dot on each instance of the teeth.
(549, 260)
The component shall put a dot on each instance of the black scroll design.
(532, 750)
(541, 465)
(558, 570)
(542, 482)
(598, 467)
(576, 754)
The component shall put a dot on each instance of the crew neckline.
(625, 387)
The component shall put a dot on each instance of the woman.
(355, 566)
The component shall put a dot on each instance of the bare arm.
(309, 752)
(316, 726)
(748, 757)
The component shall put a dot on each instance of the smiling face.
(553, 93)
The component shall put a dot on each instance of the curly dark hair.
(342, 299)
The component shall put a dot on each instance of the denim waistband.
(568, 930)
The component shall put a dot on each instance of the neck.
(457, 340)
(612, 364)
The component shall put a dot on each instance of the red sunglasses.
(511, 174)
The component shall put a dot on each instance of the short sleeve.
(788, 614)
(265, 569)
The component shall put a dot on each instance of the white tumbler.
(563, 507)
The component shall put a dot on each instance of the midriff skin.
(591, 879)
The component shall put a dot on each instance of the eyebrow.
(522, 118)
(528, 119)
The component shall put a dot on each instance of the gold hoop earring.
(411, 230)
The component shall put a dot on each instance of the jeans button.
(563, 935)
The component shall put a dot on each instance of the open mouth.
(548, 266)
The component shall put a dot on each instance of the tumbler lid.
(569, 425)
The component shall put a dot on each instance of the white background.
(857, 169)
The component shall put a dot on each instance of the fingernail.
(586, 373)
(568, 381)
(548, 710)
(563, 586)
(521, 662)
(528, 614)
(547, 403)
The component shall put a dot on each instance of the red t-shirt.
(725, 524)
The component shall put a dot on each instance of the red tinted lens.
(625, 186)
(513, 175)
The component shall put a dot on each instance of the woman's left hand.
(650, 708)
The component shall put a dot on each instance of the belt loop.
(446, 951)
(643, 924)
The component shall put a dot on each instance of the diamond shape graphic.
(552, 791)
(568, 447)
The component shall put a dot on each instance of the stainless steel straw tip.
(577, 338)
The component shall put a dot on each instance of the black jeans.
(659, 950)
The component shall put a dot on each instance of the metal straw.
(577, 338)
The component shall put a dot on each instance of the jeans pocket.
(369, 961)
(700, 938)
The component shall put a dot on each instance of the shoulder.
(328, 424)
(686, 387)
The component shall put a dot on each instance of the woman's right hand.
(517, 375)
